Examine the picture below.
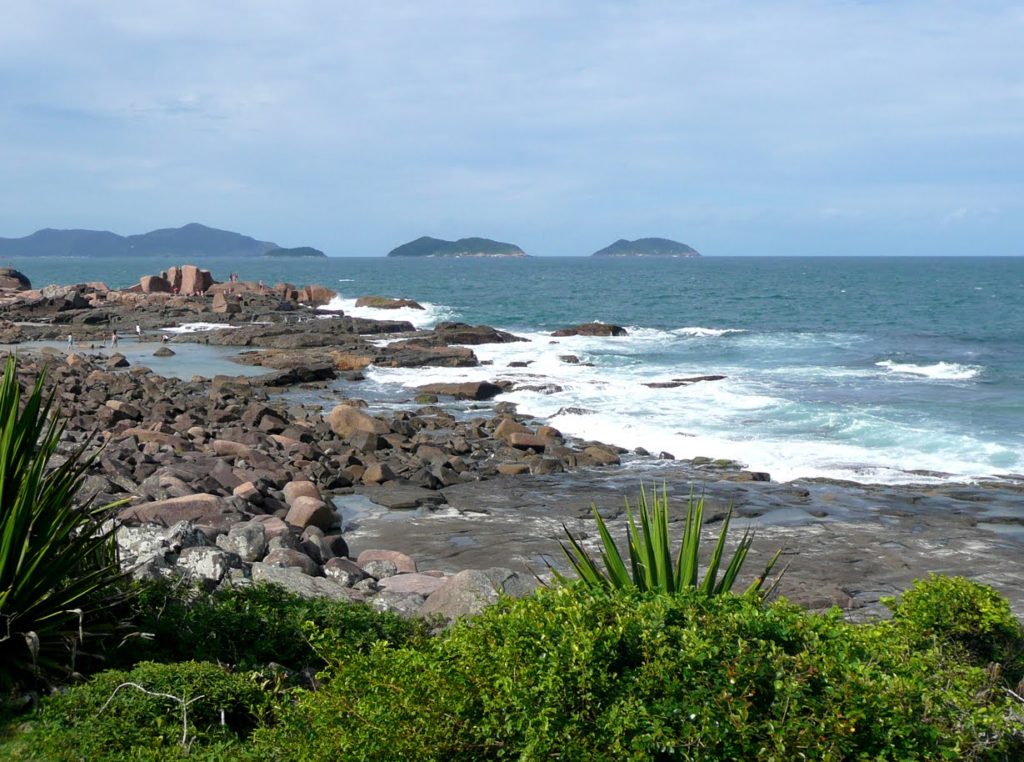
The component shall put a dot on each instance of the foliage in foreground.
(184, 706)
(578, 673)
(58, 573)
(574, 673)
(249, 627)
(649, 545)
(963, 614)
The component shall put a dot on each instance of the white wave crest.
(940, 371)
(702, 332)
(197, 327)
(429, 316)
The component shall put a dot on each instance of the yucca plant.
(58, 571)
(651, 567)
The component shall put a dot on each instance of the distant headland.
(647, 247)
(187, 242)
(464, 247)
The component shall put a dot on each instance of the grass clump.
(649, 547)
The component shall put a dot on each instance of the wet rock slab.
(845, 546)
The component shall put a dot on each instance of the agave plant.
(651, 567)
(58, 571)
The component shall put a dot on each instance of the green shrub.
(108, 719)
(574, 673)
(248, 626)
(650, 553)
(59, 575)
(967, 614)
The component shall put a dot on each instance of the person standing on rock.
(71, 342)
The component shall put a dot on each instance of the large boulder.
(154, 284)
(290, 558)
(174, 277)
(194, 280)
(416, 353)
(248, 540)
(346, 420)
(346, 361)
(316, 295)
(12, 279)
(591, 329)
(308, 511)
(224, 305)
(403, 563)
(421, 584)
(387, 303)
(206, 563)
(300, 488)
(200, 508)
(295, 581)
(462, 333)
(469, 591)
(470, 390)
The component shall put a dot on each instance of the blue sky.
(741, 128)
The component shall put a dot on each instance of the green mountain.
(190, 241)
(647, 247)
(464, 247)
(298, 251)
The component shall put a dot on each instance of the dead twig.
(184, 706)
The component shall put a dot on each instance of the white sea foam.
(749, 416)
(940, 371)
(701, 332)
(198, 327)
(430, 315)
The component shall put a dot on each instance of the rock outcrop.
(591, 329)
(14, 280)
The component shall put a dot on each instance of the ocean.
(873, 370)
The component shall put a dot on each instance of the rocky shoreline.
(457, 496)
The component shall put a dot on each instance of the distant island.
(647, 247)
(464, 247)
(298, 251)
(188, 242)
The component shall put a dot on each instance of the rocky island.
(647, 247)
(298, 251)
(464, 247)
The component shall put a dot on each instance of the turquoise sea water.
(856, 368)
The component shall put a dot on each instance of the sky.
(740, 127)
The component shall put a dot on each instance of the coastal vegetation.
(570, 672)
(649, 546)
(58, 568)
(655, 665)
